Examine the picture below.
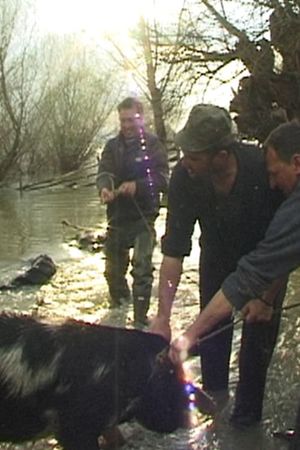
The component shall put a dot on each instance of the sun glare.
(93, 17)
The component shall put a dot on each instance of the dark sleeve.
(158, 167)
(181, 216)
(276, 255)
(106, 168)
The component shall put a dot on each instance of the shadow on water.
(32, 224)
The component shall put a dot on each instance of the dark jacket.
(122, 161)
(276, 255)
(230, 227)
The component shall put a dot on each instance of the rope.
(143, 146)
(142, 215)
(239, 318)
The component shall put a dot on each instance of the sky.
(95, 17)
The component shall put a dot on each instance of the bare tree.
(164, 84)
(55, 96)
(81, 95)
(265, 37)
(17, 85)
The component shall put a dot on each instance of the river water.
(31, 224)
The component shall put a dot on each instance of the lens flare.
(146, 159)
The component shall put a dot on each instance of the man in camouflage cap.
(222, 184)
(208, 127)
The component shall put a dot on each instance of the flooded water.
(31, 224)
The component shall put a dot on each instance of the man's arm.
(217, 309)
(176, 244)
(275, 256)
(169, 277)
(262, 309)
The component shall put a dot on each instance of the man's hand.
(178, 352)
(128, 188)
(106, 195)
(257, 311)
(179, 348)
(161, 326)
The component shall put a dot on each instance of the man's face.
(283, 175)
(197, 163)
(130, 122)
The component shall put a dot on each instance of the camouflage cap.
(208, 127)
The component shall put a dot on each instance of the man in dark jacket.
(223, 185)
(132, 173)
(277, 255)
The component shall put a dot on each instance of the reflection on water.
(31, 223)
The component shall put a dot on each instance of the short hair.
(285, 140)
(129, 103)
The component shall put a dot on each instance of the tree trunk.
(155, 93)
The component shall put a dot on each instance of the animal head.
(169, 399)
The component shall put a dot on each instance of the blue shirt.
(276, 255)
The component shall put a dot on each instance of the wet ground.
(78, 290)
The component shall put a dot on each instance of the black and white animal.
(41, 270)
(77, 380)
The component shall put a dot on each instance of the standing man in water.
(277, 255)
(132, 172)
(222, 184)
